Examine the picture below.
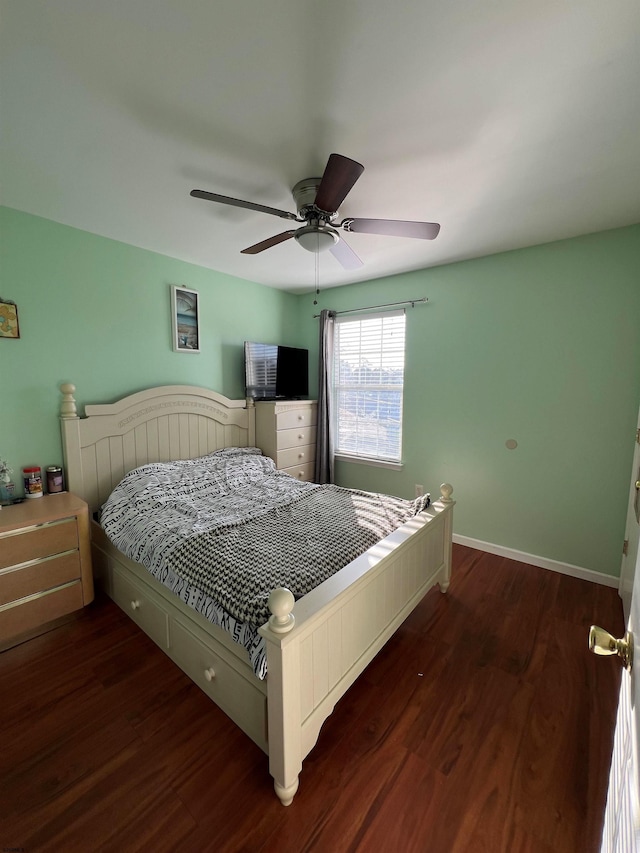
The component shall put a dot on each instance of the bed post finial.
(68, 406)
(445, 490)
(280, 604)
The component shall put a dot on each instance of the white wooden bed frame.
(317, 647)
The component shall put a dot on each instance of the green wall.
(540, 345)
(97, 313)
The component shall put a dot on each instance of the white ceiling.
(510, 122)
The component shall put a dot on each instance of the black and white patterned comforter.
(223, 530)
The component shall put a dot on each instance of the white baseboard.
(540, 562)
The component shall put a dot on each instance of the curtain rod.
(412, 302)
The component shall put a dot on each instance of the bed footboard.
(318, 647)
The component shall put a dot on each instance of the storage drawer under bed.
(241, 696)
(238, 696)
(138, 604)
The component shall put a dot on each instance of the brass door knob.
(601, 642)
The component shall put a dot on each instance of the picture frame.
(9, 326)
(185, 314)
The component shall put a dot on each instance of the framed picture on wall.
(9, 327)
(185, 319)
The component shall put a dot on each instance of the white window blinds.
(368, 379)
(260, 362)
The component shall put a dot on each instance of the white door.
(621, 833)
(632, 533)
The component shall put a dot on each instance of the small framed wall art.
(186, 319)
(9, 327)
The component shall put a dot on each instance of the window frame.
(337, 387)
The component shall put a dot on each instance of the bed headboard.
(156, 425)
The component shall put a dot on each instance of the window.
(368, 378)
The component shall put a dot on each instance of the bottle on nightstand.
(32, 481)
(6, 486)
(7, 495)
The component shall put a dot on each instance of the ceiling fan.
(317, 202)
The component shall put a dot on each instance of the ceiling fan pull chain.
(317, 277)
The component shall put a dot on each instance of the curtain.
(324, 440)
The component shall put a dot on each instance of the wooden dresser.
(286, 431)
(45, 563)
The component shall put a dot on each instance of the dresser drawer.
(31, 612)
(45, 563)
(286, 438)
(31, 543)
(29, 578)
(139, 605)
(296, 418)
(241, 698)
(301, 472)
(295, 456)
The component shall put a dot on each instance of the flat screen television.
(275, 372)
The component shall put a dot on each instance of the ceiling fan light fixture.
(316, 239)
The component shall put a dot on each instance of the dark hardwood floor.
(484, 725)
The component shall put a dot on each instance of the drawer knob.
(301, 436)
(135, 604)
(300, 417)
(210, 674)
(300, 455)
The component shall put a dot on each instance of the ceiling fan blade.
(236, 202)
(393, 228)
(343, 253)
(267, 244)
(339, 176)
